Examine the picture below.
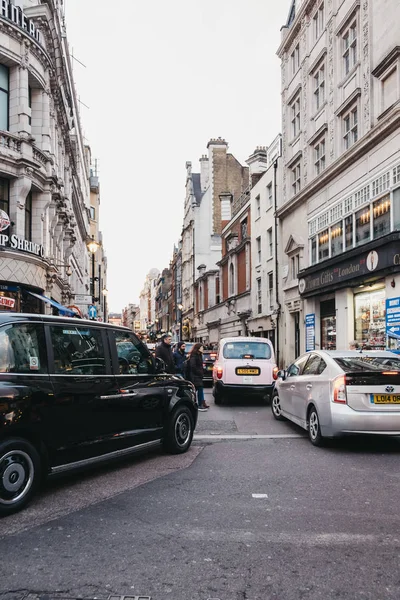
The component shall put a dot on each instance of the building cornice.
(387, 62)
(357, 151)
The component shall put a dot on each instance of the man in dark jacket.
(164, 351)
(179, 358)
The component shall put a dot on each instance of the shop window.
(328, 325)
(323, 245)
(369, 319)
(363, 228)
(336, 239)
(348, 225)
(381, 213)
(4, 98)
(5, 195)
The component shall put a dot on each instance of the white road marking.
(259, 495)
(250, 436)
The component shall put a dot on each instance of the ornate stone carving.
(365, 63)
(331, 75)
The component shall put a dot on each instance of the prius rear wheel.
(314, 428)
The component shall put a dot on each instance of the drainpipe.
(278, 305)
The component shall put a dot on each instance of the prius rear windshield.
(368, 363)
(247, 350)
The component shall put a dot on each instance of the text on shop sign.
(17, 243)
(17, 16)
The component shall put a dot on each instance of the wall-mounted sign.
(393, 317)
(310, 332)
(17, 16)
(14, 241)
(9, 302)
(363, 264)
(83, 299)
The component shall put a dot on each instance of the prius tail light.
(275, 372)
(339, 390)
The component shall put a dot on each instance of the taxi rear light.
(213, 356)
(275, 372)
(339, 390)
(390, 372)
(219, 371)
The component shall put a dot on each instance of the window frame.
(350, 133)
(319, 21)
(258, 249)
(5, 204)
(7, 92)
(296, 177)
(258, 206)
(320, 155)
(259, 295)
(271, 289)
(349, 46)
(28, 216)
(270, 239)
(270, 195)
(104, 341)
(295, 117)
(319, 86)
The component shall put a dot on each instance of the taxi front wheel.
(179, 433)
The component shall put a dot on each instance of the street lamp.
(93, 246)
(180, 308)
(68, 270)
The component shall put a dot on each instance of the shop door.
(328, 325)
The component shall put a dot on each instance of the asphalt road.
(234, 519)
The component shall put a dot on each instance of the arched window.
(231, 279)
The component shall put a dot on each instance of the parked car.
(245, 367)
(209, 357)
(76, 392)
(332, 393)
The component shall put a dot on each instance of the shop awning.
(63, 310)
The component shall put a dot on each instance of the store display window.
(363, 227)
(328, 325)
(381, 210)
(323, 245)
(369, 319)
(336, 239)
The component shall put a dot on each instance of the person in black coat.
(197, 373)
(164, 351)
(180, 358)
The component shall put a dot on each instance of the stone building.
(44, 172)
(340, 214)
(147, 303)
(202, 226)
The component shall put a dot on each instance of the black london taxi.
(75, 392)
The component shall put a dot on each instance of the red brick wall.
(241, 271)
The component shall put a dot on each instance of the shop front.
(346, 297)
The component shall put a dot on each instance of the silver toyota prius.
(331, 393)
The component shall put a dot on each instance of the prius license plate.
(247, 371)
(385, 398)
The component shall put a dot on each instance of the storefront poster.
(393, 317)
(310, 332)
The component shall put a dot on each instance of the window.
(295, 265)
(295, 116)
(270, 242)
(30, 103)
(319, 156)
(390, 93)
(271, 289)
(269, 193)
(369, 317)
(259, 297)
(361, 197)
(297, 367)
(319, 87)
(92, 213)
(381, 212)
(350, 127)
(363, 228)
(131, 358)
(217, 296)
(4, 98)
(336, 239)
(313, 250)
(258, 207)
(5, 195)
(232, 280)
(243, 229)
(258, 248)
(28, 217)
(23, 349)
(77, 350)
(381, 184)
(348, 226)
(323, 245)
(314, 366)
(318, 22)
(295, 59)
(296, 179)
(349, 40)
(236, 350)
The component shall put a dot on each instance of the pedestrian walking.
(164, 351)
(197, 373)
(180, 358)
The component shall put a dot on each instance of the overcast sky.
(162, 77)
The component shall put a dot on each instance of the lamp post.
(93, 246)
(105, 294)
(180, 308)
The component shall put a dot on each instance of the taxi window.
(23, 348)
(238, 350)
(77, 350)
(133, 358)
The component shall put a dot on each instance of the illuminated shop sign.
(364, 264)
(17, 16)
(14, 241)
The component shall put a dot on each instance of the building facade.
(44, 172)
(340, 214)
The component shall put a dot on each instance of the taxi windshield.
(237, 350)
